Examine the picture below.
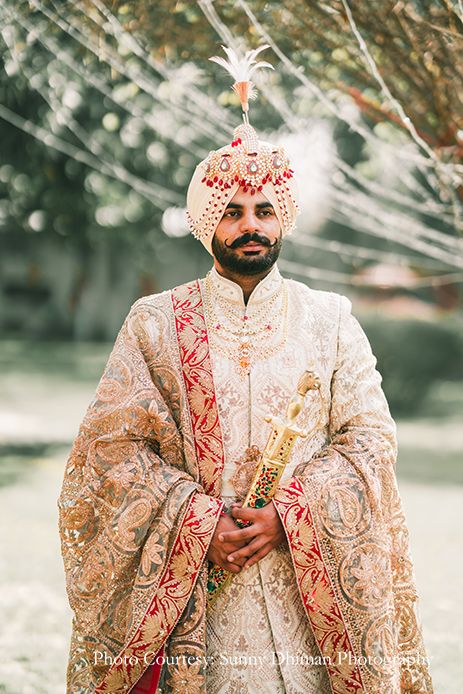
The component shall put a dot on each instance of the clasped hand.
(236, 549)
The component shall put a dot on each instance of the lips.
(252, 246)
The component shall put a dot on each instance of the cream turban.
(248, 163)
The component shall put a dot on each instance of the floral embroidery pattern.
(187, 678)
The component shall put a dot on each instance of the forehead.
(245, 198)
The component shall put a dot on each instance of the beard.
(252, 264)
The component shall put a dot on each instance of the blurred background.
(105, 110)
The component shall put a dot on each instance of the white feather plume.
(242, 68)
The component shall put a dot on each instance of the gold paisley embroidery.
(180, 566)
(115, 682)
(152, 554)
(79, 522)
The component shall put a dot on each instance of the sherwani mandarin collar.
(263, 291)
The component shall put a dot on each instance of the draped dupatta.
(139, 504)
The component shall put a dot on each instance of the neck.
(247, 282)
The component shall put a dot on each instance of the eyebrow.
(259, 206)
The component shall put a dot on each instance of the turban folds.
(247, 163)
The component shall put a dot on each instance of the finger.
(238, 535)
(238, 561)
(233, 567)
(231, 547)
(247, 551)
(260, 554)
(245, 513)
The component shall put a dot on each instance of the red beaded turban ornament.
(247, 162)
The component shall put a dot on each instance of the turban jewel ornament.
(247, 162)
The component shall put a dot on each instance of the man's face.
(248, 238)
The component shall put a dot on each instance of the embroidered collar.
(271, 283)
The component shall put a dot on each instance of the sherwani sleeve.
(361, 429)
(343, 507)
(134, 524)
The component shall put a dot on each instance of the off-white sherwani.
(258, 638)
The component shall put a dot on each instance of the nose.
(249, 221)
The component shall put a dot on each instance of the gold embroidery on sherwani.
(261, 612)
(247, 333)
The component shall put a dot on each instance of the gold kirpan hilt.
(280, 443)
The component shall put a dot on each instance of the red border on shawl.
(327, 623)
(191, 328)
(148, 682)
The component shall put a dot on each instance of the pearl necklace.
(243, 338)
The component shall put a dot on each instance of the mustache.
(245, 238)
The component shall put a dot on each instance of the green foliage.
(416, 45)
(413, 355)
